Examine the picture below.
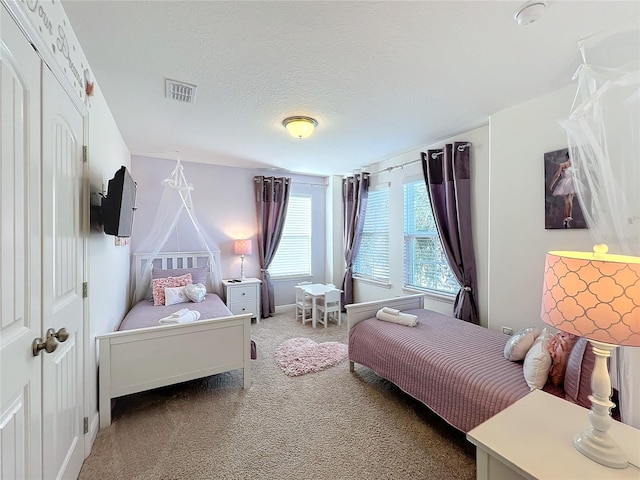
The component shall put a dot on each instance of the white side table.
(533, 439)
(243, 296)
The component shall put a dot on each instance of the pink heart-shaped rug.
(298, 356)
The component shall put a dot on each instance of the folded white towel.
(183, 315)
(392, 311)
(401, 318)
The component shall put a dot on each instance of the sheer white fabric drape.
(174, 203)
(603, 131)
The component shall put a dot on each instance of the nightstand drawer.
(238, 308)
(242, 293)
(243, 297)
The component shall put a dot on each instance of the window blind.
(372, 261)
(425, 265)
(293, 257)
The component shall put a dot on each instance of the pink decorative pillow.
(159, 284)
(560, 346)
(198, 274)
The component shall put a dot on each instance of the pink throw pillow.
(560, 347)
(159, 284)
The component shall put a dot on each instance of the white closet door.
(20, 305)
(62, 278)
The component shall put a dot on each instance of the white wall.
(223, 198)
(335, 232)
(519, 138)
(508, 200)
(366, 291)
(108, 265)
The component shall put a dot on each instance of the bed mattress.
(455, 368)
(145, 314)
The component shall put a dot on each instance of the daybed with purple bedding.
(455, 368)
(145, 354)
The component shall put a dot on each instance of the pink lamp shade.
(242, 247)
(593, 295)
(596, 296)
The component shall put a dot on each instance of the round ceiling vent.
(529, 12)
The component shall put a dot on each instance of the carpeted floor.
(326, 425)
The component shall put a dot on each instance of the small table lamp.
(596, 296)
(242, 247)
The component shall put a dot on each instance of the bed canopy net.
(603, 130)
(175, 204)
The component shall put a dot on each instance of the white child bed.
(144, 354)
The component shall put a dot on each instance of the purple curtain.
(447, 175)
(272, 198)
(355, 191)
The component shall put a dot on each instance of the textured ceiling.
(381, 78)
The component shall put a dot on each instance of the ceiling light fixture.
(529, 12)
(300, 127)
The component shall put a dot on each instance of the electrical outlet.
(507, 330)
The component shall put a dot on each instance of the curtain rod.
(277, 180)
(402, 165)
(433, 155)
(310, 184)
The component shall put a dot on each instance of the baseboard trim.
(285, 308)
(90, 437)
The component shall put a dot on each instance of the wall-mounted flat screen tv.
(119, 204)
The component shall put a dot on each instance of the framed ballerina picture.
(561, 206)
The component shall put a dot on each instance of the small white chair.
(304, 304)
(329, 305)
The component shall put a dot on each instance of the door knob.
(61, 334)
(49, 345)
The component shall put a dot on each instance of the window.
(293, 258)
(372, 261)
(425, 265)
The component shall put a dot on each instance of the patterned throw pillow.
(196, 292)
(198, 274)
(519, 344)
(173, 295)
(159, 284)
(560, 346)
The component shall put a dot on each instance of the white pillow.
(196, 292)
(519, 343)
(537, 362)
(173, 295)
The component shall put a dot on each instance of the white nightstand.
(533, 439)
(243, 296)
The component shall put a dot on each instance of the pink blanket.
(455, 368)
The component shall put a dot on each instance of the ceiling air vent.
(179, 91)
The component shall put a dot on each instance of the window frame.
(307, 274)
(410, 238)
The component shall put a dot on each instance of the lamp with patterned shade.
(242, 247)
(596, 296)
